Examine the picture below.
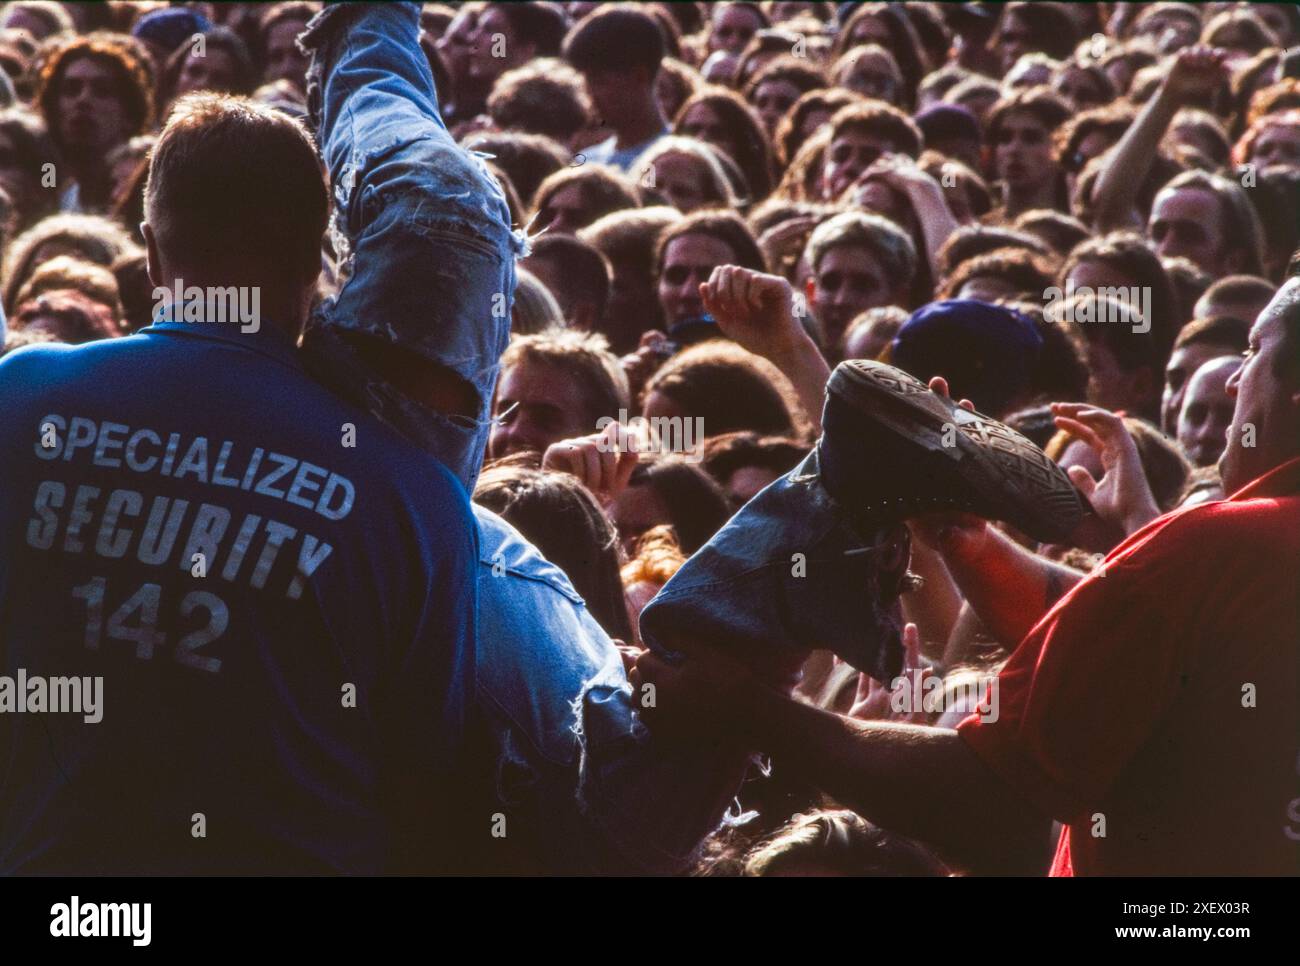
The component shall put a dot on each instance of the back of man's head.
(236, 196)
(1241, 295)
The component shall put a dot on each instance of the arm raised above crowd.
(1195, 70)
(758, 311)
(1009, 588)
(926, 197)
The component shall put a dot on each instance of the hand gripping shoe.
(892, 448)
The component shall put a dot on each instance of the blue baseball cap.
(986, 352)
(170, 27)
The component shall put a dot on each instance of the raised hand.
(1122, 497)
(1196, 71)
(754, 309)
(603, 462)
(902, 173)
(875, 701)
(651, 353)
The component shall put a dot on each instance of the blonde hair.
(583, 357)
(535, 308)
(845, 842)
(95, 239)
(65, 272)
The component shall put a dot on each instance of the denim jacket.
(428, 262)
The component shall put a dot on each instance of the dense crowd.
(1072, 218)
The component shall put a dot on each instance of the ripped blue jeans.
(427, 261)
(420, 229)
(575, 766)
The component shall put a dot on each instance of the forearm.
(1116, 189)
(921, 782)
(937, 224)
(1009, 587)
(806, 368)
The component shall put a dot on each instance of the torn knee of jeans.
(603, 723)
(428, 382)
(516, 778)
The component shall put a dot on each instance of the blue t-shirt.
(276, 592)
(607, 152)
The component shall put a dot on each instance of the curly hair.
(67, 314)
(65, 273)
(545, 96)
(790, 137)
(130, 65)
(91, 238)
(1244, 149)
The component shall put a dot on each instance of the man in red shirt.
(1152, 710)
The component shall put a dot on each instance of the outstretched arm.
(757, 311)
(919, 781)
(1009, 588)
(1195, 70)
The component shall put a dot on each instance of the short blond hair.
(583, 356)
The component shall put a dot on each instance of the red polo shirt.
(1158, 703)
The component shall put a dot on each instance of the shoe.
(891, 448)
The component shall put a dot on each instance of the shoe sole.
(1014, 479)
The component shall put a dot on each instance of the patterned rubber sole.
(1014, 480)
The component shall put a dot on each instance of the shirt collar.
(1279, 481)
(267, 340)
